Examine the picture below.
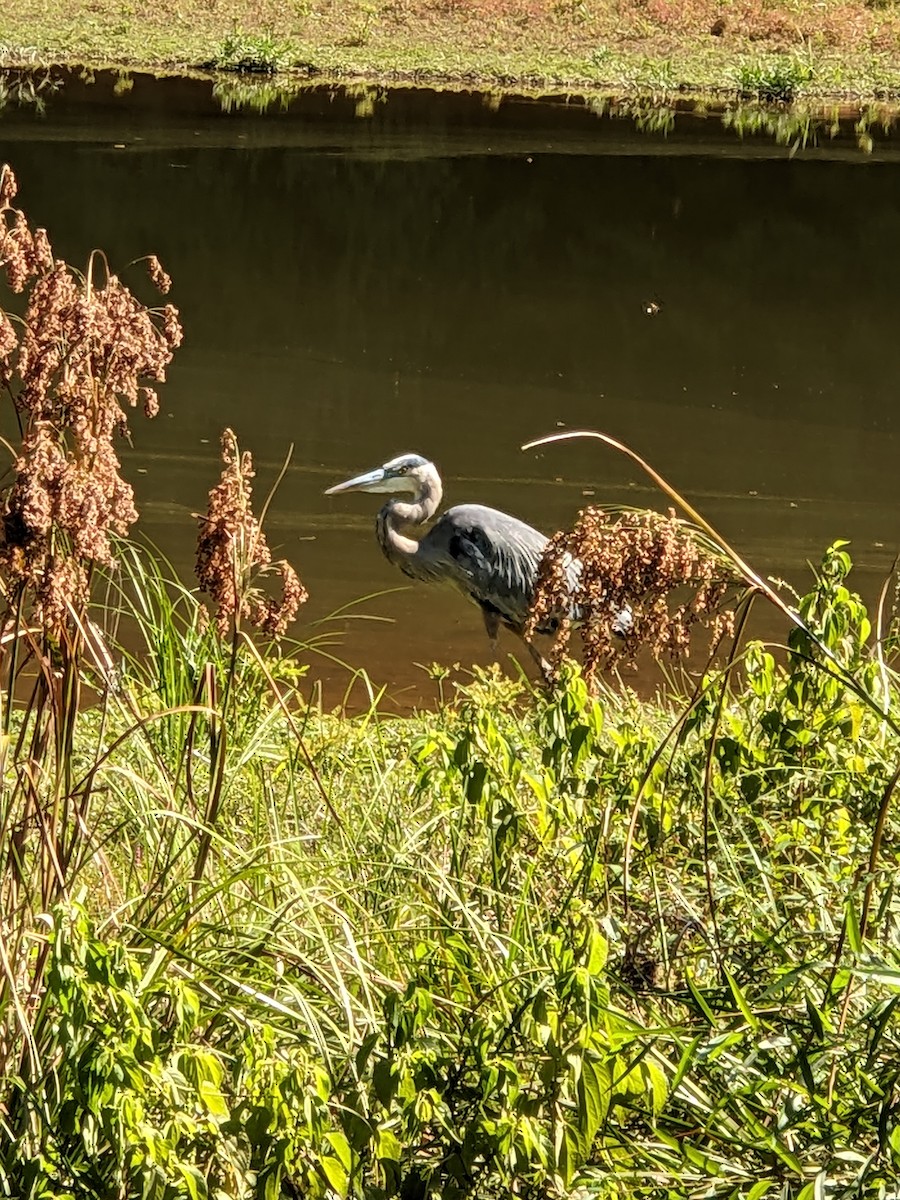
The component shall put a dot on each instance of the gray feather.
(488, 555)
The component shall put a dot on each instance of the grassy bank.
(534, 943)
(519, 945)
(840, 48)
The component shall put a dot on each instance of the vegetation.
(251, 55)
(776, 49)
(529, 943)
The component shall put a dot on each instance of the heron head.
(406, 473)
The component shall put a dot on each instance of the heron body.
(491, 557)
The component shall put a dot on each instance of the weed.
(527, 944)
(27, 89)
(365, 13)
(778, 79)
(659, 75)
(252, 53)
(659, 571)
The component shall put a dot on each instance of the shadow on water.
(363, 273)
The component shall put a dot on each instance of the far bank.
(799, 49)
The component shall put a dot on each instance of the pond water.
(360, 277)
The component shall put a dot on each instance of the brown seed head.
(233, 555)
(160, 279)
(655, 565)
(86, 353)
(8, 186)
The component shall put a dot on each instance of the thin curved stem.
(742, 565)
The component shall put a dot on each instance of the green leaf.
(193, 1181)
(598, 951)
(593, 1098)
(854, 937)
(698, 999)
(741, 1001)
(659, 1089)
(387, 1146)
(212, 1099)
(759, 1189)
(341, 1148)
(334, 1172)
(815, 1019)
(684, 1063)
(384, 1081)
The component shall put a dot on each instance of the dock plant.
(538, 943)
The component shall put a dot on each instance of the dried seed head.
(233, 555)
(9, 343)
(8, 186)
(278, 616)
(160, 279)
(83, 359)
(657, 567)
(62, 588)
(151, 402)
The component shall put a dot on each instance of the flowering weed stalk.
(83, 355)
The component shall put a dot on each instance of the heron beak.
(361, 483)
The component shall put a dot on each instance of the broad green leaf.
(659, 1089)
(341, 1148)
(597, 956)
(212, 1099)
(334, 1172)
(387, 1146)
(593, 1098)
(193, 1181)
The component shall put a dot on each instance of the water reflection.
(452, 281)
(765, 109)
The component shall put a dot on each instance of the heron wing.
(489, 555)
(493, 558)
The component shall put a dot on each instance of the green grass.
(535, 943)
(519, 942)
(851, 50)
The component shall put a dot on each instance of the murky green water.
(443, 278)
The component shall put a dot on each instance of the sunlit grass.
(648, 47)
(525, 942)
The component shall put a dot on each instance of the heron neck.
(399, 548)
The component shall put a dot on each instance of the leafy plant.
(534, 944)
(252, 53)
(780, 78)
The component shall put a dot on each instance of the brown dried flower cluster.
(82, 358)
(232, 553)
(655, 567)
(161, 280)
(23, 253)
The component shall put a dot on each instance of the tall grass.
(443, 991)
(527, 943)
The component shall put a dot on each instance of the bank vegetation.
(778, 49)
(532, 942)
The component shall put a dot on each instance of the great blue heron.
(490, 556)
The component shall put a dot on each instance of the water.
(447, 279)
